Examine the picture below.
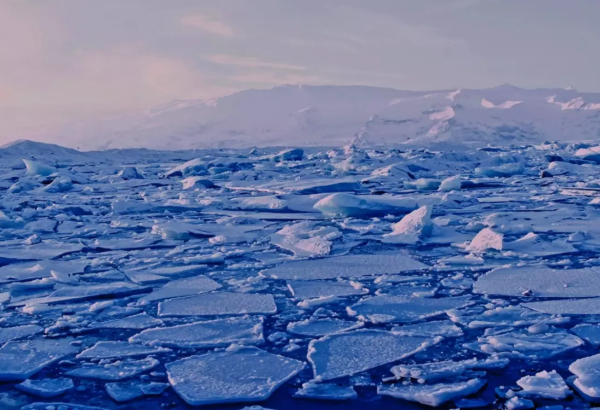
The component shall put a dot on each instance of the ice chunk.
(214, 333)
(503, 171)
(190, 168)
(316, 289)
(583, 306)
(412, 228)
(38, 251)
(590, 392)
(114, 350)
(130, 173)
(22, 185)
(186, 270)
(521, 344)
(303, 187)
(114, 371)
(403, 309)
(234, 376)
(589, 333)
(315, 302)
(549, 385)
(41, 226)
(291, 154)
(135, 322)
(364, 206)
(21, 360)
(125, 244)
(445, 369)
(60, 184)
(35, 168)
(533, 244)
(18, 332)
(518, 403)
(486, 239)
(9, 223)
(432, 395)
(514, 316)
(587, 370)
(131, 207)
(326, 391)
(182, 287)
(68, 294)
(351, 266)
(219, 304)
(60, 406)
(346, 354)
(125, 391)
(46, 387)
(540, 282)
(321, 327)
(423, 184)
(197, 182)
(180, 231)
(306, 239)
(450, 184)
(444, 328)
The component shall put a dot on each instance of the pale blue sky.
(64, 60)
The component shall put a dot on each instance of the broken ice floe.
(321, 327)
(432, 395)
(346, 354)
(351, 266)
(46, 388)
(402, 309)
(540, 282)
(215, 333)
(235, 376)
(113, 350)
(182, 287)
(219, 304)
(118, 370)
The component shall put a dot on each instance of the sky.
(75, 60)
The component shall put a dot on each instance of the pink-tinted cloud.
(207, 24)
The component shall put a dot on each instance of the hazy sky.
(64, 60)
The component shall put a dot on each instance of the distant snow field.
(381, 276)
(335, 115)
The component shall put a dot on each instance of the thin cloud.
(251, 62)
(207, 24)
(275, 79)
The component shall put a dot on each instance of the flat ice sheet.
(219, 304)
(540, 282)
(239, 375)
(350, 266)
(213, 333)
(346, 354)
(403, 309)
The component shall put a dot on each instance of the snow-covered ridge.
(333, 115)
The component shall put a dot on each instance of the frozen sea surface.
(350, 277)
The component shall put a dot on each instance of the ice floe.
(432, 395)
(346, 354)
(214, 333)
(403, 309)
(219, 304)
(351, 266)
(239, 375)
